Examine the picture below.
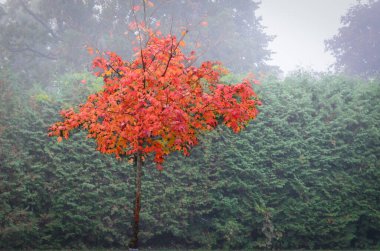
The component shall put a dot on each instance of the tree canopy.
(156, 103)
(357, 43)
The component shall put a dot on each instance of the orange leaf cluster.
(156, 104)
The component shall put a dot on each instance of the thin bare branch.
(140, 44)
(38, 19)
(172, 51)
(34, 51)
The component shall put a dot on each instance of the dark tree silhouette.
(356, 46)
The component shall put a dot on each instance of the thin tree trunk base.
(134, 243)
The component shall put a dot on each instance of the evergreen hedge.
(305, 174)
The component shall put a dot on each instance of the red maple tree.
(157, 103)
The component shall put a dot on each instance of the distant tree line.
(50, 36)
(356, 46)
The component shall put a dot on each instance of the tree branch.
(38, 19)
(173, 51)
(116, 71)
(28, 48)
(140, 42)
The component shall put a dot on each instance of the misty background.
(304, 175)
(301, 27)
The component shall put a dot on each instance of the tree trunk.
(134, 243)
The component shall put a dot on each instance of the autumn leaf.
(149, 3)
(159, 167)
(204, 23)
(184, 32)
(90, 50)
(136, 8)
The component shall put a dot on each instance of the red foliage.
(157, 103)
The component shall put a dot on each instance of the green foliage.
(306, 174)
(57, 195)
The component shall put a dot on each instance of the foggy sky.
(301, 26)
